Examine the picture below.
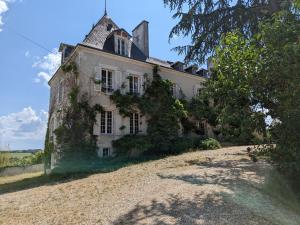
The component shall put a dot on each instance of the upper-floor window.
(60, 92)
(106, 122)
(106, 81)
(122, 49)
(134, 85)
(174, 90)
(134, 123)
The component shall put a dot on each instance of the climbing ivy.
(163, 111)
(75, 135)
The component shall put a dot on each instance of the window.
(174, 90)
(97, 82)
(106, 123)
(109, 27)
(134, 123)
(122, 47)
(60, 92)
(106, 81)
(200, 128)
(105, 152)
(133, 85)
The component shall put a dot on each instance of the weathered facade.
(119, 61)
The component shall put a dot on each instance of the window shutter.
(117, 78)
(97, 78)
(97, 125)
(127, 83)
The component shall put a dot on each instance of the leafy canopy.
(204, 21)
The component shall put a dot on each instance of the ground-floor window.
(200, 128)
(134, 123)
(106, 152)
(106, 122)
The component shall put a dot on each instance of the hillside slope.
(211, 187)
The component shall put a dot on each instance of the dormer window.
(122, 50)
(109, 27)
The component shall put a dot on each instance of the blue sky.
(25, 67)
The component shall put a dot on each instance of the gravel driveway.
(211, 187)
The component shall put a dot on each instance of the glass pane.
(136, 123)
(103, 123)
(109, 122)
(131, 124)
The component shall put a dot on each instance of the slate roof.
(99, 33)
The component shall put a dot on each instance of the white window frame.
(106, 127)
(134, 88)
(134, 123)
(105, 86)
(122, 48)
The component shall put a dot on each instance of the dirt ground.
(210, 187)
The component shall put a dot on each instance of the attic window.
(109, 27)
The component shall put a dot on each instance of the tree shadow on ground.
(247, 200)
(73, 171)
(199, 209)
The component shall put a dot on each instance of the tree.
(263, 72)
(205, 21)
(238, 112)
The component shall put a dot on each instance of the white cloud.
(47, 66)
(26, 125)
(3, 9)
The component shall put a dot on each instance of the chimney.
(141, 37)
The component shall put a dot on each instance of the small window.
(60, 92)
(106, 122)
(106, 152)
(106, 81)
(122, 47)
(134, 85)
(109, 27)
(134, 123)
(174, 90)
(200, 128)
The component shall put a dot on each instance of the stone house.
(110, 54)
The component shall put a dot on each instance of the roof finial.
(105, 11)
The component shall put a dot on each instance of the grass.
(74, 170)
(12, 179)
(19, 155)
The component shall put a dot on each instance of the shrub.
(132, 145)
(210, 144)
(4, 159)
(182, 144)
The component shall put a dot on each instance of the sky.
(30, 34)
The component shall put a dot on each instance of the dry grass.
(212, 187)
(12, 179)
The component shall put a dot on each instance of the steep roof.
(100, 32)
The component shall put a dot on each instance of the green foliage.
(262, 74)
(210, 144)
(4, 159)
(205, 21)
(127, 103)
(163, 111)
(228, 99)
(75, 136)
(132, 145)
(9, 160)
(48, 150)
(70, 68)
